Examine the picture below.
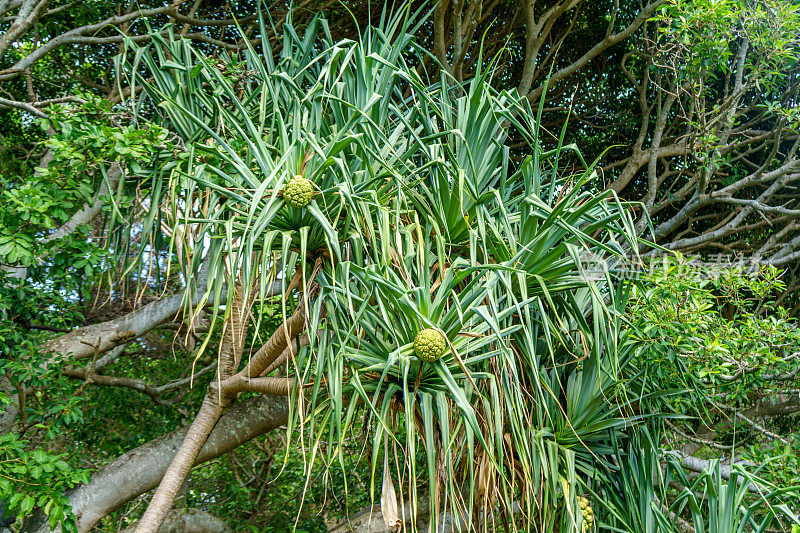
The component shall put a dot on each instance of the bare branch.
(607, 42)
(30, 108)
(155, 393)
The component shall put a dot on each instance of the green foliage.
(36, 478)
(88, 138)
(433, 226)
(630, 496)
(777, 463)
(31, 475)
(713, 329)
(24, 308)
(715, 333)
(703, 41)
(706, 28)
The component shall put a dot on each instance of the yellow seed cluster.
(588, 514)
(298, 192)
(429, 345)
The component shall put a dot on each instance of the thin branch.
(748, 421)
(155, 393)
(30, 108)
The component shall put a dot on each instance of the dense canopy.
(453, 266)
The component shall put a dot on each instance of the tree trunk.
(214, 405)
(210, 412)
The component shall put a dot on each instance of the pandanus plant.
(635, 496)
(433, 206)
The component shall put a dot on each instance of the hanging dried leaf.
(389, 509)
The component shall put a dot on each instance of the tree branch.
(155, 393)
(607, 42)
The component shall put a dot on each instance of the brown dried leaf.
(389, 509)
